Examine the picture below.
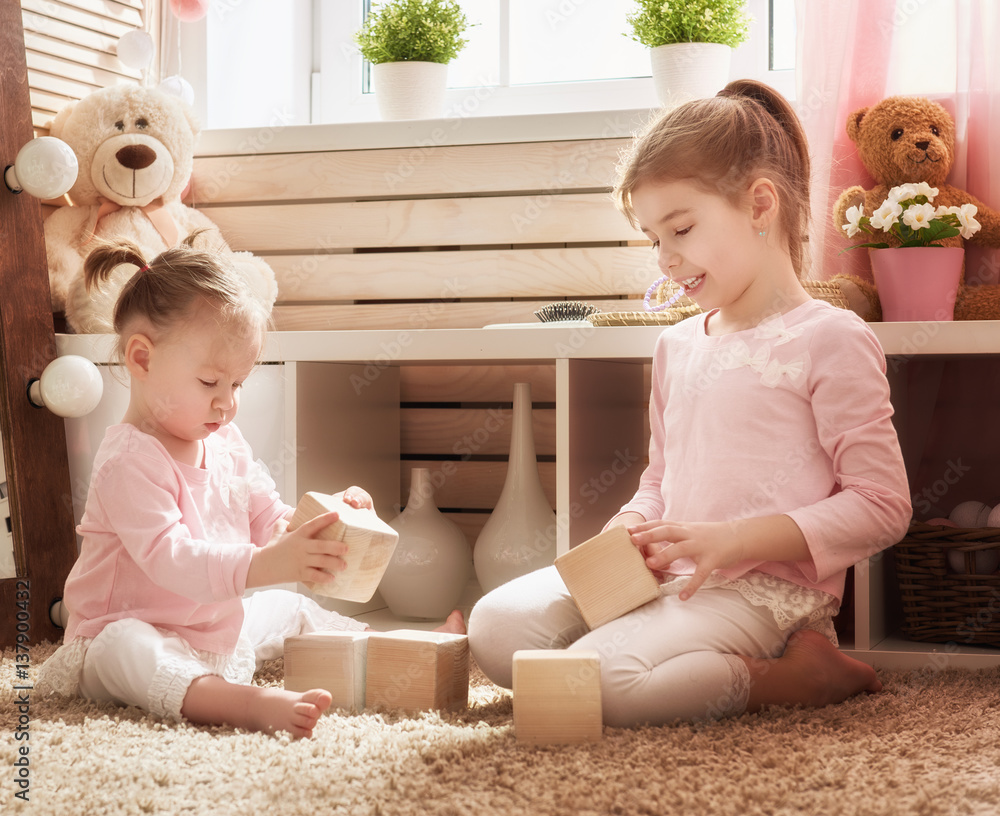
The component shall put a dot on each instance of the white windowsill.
(280, 138)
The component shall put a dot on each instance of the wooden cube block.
(334, 661)
(607, 576)
(557, 696)
(371, 543)
(417, 671)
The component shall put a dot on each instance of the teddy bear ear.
(58, 122)
(854, 123)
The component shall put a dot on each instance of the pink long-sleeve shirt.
(167, 543)
(792, 417)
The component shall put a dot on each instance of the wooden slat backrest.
(433, 236)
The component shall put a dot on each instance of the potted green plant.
(691, 43)
(409, 44)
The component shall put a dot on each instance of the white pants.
(666, 660)
(134, 663)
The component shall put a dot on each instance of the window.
(523, 56)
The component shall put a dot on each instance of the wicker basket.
(939, 604)
(685, 307)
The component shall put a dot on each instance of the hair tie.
(143, 268)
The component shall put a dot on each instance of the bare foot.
(211, 700)
(297, 713)
(811, 672)
(454, 624)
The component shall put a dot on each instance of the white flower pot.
(685, 71)
(410, 90)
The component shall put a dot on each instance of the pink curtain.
(845, 49)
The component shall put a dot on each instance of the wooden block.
(370, 541)
(417, 671)
(557, 696)
(334, 661)
(607, 576)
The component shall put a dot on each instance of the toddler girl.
(773, 462)
(180, 520)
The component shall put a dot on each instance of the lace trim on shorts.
(172, 678)
(740, 694)
(794, 607)
(61, 672)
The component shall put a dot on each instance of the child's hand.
(298, 556)
(356, 497)
(711, 545)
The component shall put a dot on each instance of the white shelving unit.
(341, 397)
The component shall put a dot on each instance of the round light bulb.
(135, 49)
(70, 386)
(187, 11)
(177, 86)
(45, 167)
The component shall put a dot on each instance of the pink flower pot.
(917, 283)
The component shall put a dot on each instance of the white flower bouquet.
(908, 214)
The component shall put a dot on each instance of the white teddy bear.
(135, 148)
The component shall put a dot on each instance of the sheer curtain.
(852, 53)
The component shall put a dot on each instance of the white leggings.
(134, 663)
(666, 660)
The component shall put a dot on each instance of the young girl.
(773, 462)
(180, 520)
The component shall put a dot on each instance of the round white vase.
(432, 563)
(686, 71)
(520, 535)
(411, 89)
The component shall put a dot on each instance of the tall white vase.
(685, 71)
(520, 535)
(431, 564)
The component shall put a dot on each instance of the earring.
(762, 233)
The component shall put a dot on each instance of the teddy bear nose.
(922, 145)
(136, 157)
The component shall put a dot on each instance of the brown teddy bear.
(907, 140)
(135, 148)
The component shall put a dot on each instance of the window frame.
(336, 83)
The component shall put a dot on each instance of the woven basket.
(939, 604)
(684, 307)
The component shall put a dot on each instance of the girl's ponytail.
(102, 261)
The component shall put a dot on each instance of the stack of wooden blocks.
(557, 692)
(406, 669)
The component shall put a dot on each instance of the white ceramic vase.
(432, 563)
(520, 535)
(410, 89)
(686, 71)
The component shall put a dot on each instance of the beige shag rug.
(928, 744)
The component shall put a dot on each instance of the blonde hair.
(723, 143)
(168, 290)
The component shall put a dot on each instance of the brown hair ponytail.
(724, 142)
(167, 289)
